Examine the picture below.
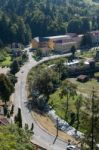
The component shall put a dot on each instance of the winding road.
(20, 101)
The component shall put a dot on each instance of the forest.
(21, 20)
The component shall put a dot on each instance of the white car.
(71, 147)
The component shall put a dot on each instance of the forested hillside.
(22, 19)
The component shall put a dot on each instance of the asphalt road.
(20, 101)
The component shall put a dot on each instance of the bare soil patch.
(45, 122)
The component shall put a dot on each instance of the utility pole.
(56, 131)
(92, 127)
(57, 127)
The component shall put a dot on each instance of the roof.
(57, 37)
(37, 39)
(3, 121)
(94, 32)
(72, 62)
(82, 77)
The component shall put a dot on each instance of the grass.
(91, 2)
(59, 104)
(87, 87)
(7, 62)
(90, 53)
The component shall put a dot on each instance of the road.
(20, 101)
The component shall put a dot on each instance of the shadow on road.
(29, 105)
(55, 140)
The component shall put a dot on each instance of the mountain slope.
(21, 19)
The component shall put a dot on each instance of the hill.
(20, 20)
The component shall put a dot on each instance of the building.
(95, 37)
(3, 121)
(82, 78)
(60, 44)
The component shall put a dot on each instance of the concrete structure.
(61, 44)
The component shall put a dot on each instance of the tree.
(12, 78)
(59, 67)
(78, 106)
(68, 89)
(85, 25)
(12, 110)
(32, 127)
(18, 118)
(43, 85)
(13, 137)
(92, 68)
(86, 40)
(6, 88)
(90, 121)
(14, 67)
(39, 53)
(73, 50)
(74, 26)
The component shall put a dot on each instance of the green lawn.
(6, 62)
(59, 104)
(90, 53)
(91, 2)
(87, 86)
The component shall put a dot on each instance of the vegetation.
(5, 57)
(67, 101)
(14, 67)
(86, 40)
(12, 137)
(18, 118)
(73, 50)
(68, 89)
(6, 88)
(90, 119)
(22, 20)
(43, 85)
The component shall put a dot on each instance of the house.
(4, 121)
(60, 44)
(95, 37)
(82, 78)
(35, 43)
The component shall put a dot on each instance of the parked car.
(71, 147)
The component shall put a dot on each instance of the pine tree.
(32, 127)
(18, 118)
